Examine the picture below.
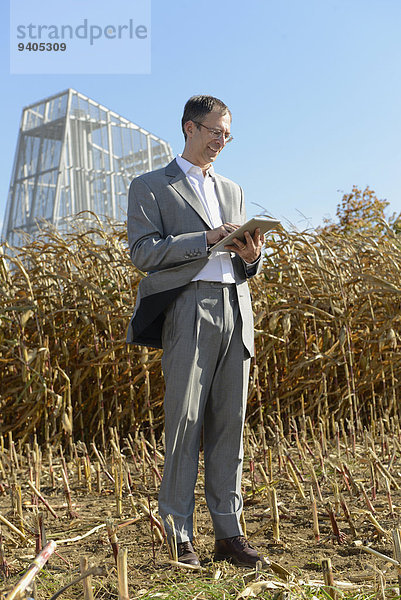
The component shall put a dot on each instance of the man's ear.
(189, 127)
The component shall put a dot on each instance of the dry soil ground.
(148, 567)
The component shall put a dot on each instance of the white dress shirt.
(219, 267)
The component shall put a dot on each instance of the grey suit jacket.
(167, 227)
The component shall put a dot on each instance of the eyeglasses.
(217, 133)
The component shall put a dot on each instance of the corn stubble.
(334, 522)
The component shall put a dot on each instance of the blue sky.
(314, 87)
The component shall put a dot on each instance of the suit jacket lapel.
(181, 185)
(224, 196)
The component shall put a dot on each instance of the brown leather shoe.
(238, 551)
(186, 554)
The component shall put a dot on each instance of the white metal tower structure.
(72, 155)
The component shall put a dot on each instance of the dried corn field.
(327, 319)
(322, 442)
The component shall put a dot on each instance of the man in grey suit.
(195, 304)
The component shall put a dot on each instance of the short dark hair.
(198, 107)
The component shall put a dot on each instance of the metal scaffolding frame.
(74, 155)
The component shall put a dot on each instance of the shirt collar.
(186, 166)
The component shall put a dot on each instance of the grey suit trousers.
(206, 369)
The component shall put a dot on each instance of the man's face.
(203, 145)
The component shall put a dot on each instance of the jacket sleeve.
(151, 248)
(253, 269)
(250, 269)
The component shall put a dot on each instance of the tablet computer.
(264, 225)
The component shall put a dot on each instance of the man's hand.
(215, 235)
(251, 249)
